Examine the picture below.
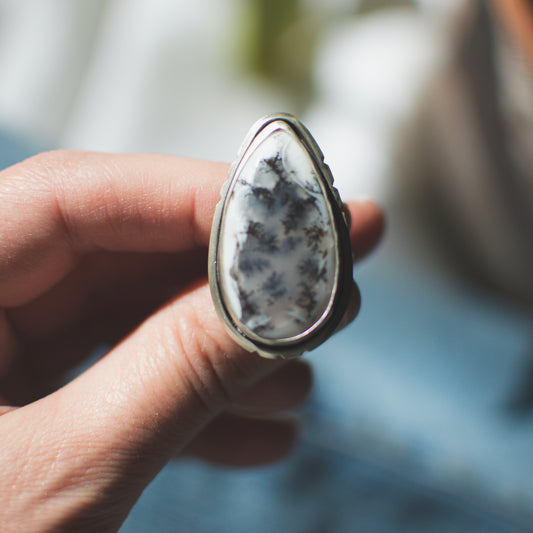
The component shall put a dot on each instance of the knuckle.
(40, 177)
(71, 186)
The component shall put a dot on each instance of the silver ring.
(280, 260)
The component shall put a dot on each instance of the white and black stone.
(277, 254)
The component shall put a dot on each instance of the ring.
(280, 260)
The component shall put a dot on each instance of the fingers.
(286, 388)
(60, 205)
(167, 379)
(232, 439)
(239, 441)
(367, 227)
(111, 285)
(76, 202)
(108, 294)
(109, 431)
(102, 281)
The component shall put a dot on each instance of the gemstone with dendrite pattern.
(278, 254)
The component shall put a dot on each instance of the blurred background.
(422, 414)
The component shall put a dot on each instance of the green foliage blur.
(277, 39)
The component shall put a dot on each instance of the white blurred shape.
(44, 46)
(156, 67)
(128, 75)
(353, 151)
(370, 75)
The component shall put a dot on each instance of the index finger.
(59, 205)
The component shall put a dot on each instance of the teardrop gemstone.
(277, 252)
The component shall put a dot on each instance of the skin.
(112, 249)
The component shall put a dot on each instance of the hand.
(111, 250)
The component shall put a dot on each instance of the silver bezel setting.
(323, 328)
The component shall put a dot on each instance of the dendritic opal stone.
(277, 249)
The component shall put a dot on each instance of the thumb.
(97, 442)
